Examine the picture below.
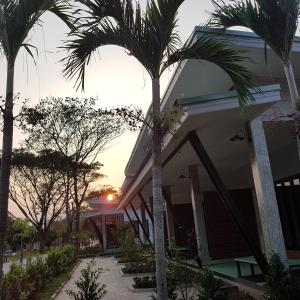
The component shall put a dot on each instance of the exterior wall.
(224, 240)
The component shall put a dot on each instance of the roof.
(226, 95)
(200, 115)
(216, 89)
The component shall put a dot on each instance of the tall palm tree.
(275, 22)
(151, 37)
(17, 18)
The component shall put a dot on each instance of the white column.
(265, 192)
(170, 220)
(198, 211)
(104, 232)
(258, 222)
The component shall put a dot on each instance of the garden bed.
(53, 287)
(129, 274)
(143, 284)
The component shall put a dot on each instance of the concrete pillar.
(103, 227)
(265, 192)
(151, 209)
(198, 211)
(258, 222)
(170, 220)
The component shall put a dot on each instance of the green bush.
(58, 259)
(38, 272)
(144, 265)
(180, 279)
(144, 282)
(130, 250)
(280, 283)
(17, 284)
(69, 254)
(89, 252)
(24, 282)
(242, 295)
(210, 288)
(88, 284)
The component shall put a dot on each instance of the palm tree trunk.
(158, 209)
(289, 73)
(77, 211)
(7, 141)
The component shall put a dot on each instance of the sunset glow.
(110, 197)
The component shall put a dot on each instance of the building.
(230, 177)
(104, 216)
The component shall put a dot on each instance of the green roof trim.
(233, 33)
(226, 95)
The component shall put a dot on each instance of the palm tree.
(151, 37)
(17, 18)
(275, 22)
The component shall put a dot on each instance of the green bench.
(293, 264)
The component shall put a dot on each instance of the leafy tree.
(103, 192)
(275, 22)
(20, 233)
(152, 38)
(79, 132)
(37, 188)
(17, 19)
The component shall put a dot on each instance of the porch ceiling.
(215, 122)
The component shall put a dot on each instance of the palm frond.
(150, 36)
(18, 17)
(120, 10)
(84, 44)
(219, 53)
(161, 21)
(274, 21)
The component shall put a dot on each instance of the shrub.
(23, 282)
(144, 265)
(89, 252)
(210, 288)
(182, 278)
(144, 282)
(69, 254)
(17, 284)
(131, 251)
(59, 259)
(38, 272)
(88, 285)
(280, 283)
(242, 295)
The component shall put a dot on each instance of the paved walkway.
(116, 285)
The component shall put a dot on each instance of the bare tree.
(37, 188)
(79, 132)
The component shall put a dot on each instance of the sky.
(115, 78)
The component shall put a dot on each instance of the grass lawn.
(55, 283)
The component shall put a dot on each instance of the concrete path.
(6, 267)
(118, 287)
